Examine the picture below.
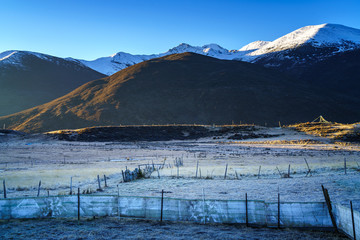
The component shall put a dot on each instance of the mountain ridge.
(185, 88)
(333, 38)
(338, 37)
(28, 79)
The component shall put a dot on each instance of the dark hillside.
(186, 88)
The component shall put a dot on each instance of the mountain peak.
(342, 37)
(215, 48)
(254, 45)
(15, 56)
(321, 35)
(335, 33)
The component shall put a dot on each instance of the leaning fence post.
(78, 204)
(352, 219)
(39, 188)
(162, 205)
(246, 211)
(279, 171)
(328, 203)
(259, 172)
(309, 170)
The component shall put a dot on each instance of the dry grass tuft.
(336, 131)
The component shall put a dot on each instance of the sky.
(91, 29)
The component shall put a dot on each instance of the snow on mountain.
(323, 35)
(6, 54)
(14, 57)
(114, 63)
(11, 57)
(254, 45)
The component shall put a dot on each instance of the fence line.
(261, 213)
(253, 212)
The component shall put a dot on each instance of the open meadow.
(274, 161)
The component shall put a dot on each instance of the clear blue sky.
(91, 29)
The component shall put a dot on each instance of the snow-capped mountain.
(297, 51)
(323, 57)
(14, 57)
(332, 38)
(304, 46)
(114, 63)
(323, 35)
(17, 58)
(254, 45)
(28, 79)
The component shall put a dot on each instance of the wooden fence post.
(197, 167)
(98, 178)
(278, 210)
(345, 165)
(39, 188)
(246, 211)
(352, 219)
(259, 172)
(226, 171)
(105, 180)
(4, 186)
(118, 201)
(309, 170)
(204, 205)
(279, 171)
(328, 203)
(289, 171)
(78, 204)
(162, 205)
(71, 186)
(123, 176)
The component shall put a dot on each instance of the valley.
(54, 162)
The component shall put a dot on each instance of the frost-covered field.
(24, 162)
(113, 228)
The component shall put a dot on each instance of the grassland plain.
(27, 160)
